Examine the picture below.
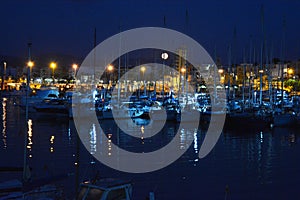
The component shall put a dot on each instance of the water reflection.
(196, 141)
(256, 163)
(109, 145)
(93, 139)
(29, 138)
(182, 139)
(4, 123)
(257, 153)
(52, 143)
(186, 136)
(69, 135)
(142, 134)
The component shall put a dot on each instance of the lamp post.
(75, 66)
(53, 66)
(183, 70)
(290, 72)
(221, 71)
(143, 69)
(29, 66)
(110, 68)
(164, 56)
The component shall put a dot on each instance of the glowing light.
(30, 143)
(195, 142)
(110, 68)
(164, 56)
(75, 66)
(30, 64)
(52, 142)
(290, 71)
(93, 139)
(109, 144)
(183, 70)
(52, 139)
(52, 65)
(142, 129)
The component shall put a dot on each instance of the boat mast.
(119, 65)
(261, 58)
(244, 73)
(185, 55)
(215, 76)
(250, 71)
(270, 75)
(229, 72)
(282, 59)
(234, 61)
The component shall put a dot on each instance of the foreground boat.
(14, 189)
(53, 106)
(104, 189)
(45, 93)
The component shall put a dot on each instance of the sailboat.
(258, 118)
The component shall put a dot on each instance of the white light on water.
(93, 139)
(195, 142)
(4, 123)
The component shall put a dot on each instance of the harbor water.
(243, 165)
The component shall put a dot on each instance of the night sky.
(67, 27)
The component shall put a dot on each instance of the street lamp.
(164, 56)
(221, 71)
(110, 68)
(183, 70)
(182, 79)
(143, 69)
(53, 66)
(75, 66)
(290, 72)
(30, 64)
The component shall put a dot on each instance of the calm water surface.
(255, 165)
